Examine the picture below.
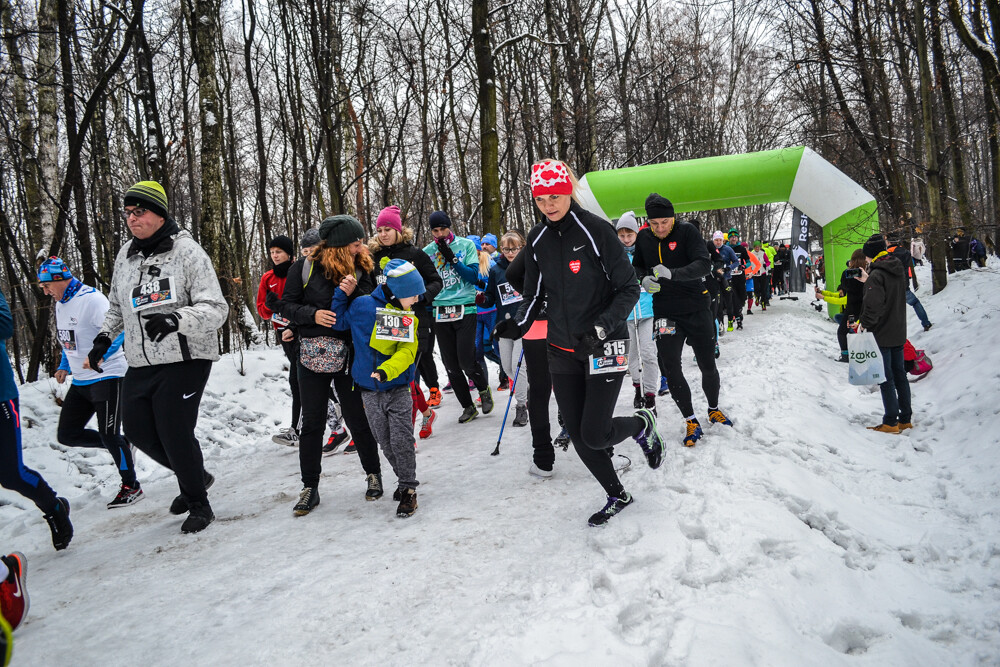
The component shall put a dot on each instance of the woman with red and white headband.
(575, 259)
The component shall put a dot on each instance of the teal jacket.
(459, 289)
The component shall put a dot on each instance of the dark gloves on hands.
(507, 329)
(382, 376)
(159, 325)
(446, 251)
(591, 342)
(271, 300)
(96, 355)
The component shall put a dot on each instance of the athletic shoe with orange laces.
(693, 432)
(434, 399)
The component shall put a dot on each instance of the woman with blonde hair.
(341, 259)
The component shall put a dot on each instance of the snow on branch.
(527, 35)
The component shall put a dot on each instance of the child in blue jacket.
(383, 330)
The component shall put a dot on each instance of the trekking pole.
(513, 385)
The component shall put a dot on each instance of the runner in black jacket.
(576, 258)
(738, 278)
(672, 262)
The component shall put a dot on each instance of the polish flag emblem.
(574, 266)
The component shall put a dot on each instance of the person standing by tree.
(672, 262)
(575, 258)
(166, 297)
(80, 313)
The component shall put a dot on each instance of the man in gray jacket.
(165, 296)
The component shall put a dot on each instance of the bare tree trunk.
(258, 123)
(48, 135)
(489, 142)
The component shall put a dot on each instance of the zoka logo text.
(863, 356)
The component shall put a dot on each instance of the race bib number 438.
(157, 292)
(614, 359)
(395, 325)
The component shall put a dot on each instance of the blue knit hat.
(476, 240)
(491, 239)
(53, 269)
(403, 279)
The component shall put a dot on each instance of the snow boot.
(374, 491)
(127, 495)
(199, 516)
(407, 503)
(885, 428)
(694, 432)
(716, 416)
(486, 400)
(308, 500)
(649, 439)
(613, 507)
(520, 415)
(468, 415)
(180, 506)
(637, 401)
(904, 426)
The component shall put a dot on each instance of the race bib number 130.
(395, 325)
(614, 359)
(157, 292)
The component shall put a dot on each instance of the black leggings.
(762, 289)
(738, 282)
(160, 411)
(291, 350)
(457, 341)
(697, 328)
(587, 403)
(315, 391)
(426, 368)
(104, 399)
(536, 362)
(14, 475)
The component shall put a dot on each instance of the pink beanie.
(389, 217)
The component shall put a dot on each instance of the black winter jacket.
(580, 265)
(420, 259)
(854, 290)
(499, 287)
(299, 305)
(883, 311)
(683, 251)
(515, 276)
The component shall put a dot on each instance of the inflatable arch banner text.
(847, 213)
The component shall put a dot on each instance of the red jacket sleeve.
(262, 310)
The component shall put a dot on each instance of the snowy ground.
(797, 538)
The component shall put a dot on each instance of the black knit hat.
(282, 242)
(658, 206)
(341, 230)
(439, 219)
(873, 246)
(310, 238)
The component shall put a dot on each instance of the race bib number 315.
(395, 325)
(157, 292)
(614, 359)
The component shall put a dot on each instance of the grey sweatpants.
(642, 348)
(389, 415)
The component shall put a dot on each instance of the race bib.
(449, 313)
(395, 325)
(157, 292)
(380, 279)
(508, 294)
(67, 338)
(279, 320)
(663, 327)
(614, 359)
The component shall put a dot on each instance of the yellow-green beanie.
(149, 195)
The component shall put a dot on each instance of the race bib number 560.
(157, 292)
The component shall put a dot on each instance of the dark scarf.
(160, 241)
(281, 270)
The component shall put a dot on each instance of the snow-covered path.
(797, 538)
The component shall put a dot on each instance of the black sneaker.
(468, 415)
(843, 358)
(407, 503)
(127, 495)
(649, 402)
(199, 516)
(562, 440)
(613, 507)
(59, 524)
(397, 495)
(486, 399)
(308, 500)
(351, 448)
(336, 442)
(928, 326)
(637, 400)
(180, 506)
(739, 324)
(649, 439)
(374, 491)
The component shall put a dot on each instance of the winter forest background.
(262, 118)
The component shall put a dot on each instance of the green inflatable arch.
(847, 213)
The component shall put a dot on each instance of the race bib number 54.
(614, 359)
(157, 292)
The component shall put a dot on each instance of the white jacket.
(78, 321)
(177, 278)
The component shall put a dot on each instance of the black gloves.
(382, 376)
(96, 355)
(159, 326)
(507, 329)
(445, 250)
(591, 342)
(271, 300)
